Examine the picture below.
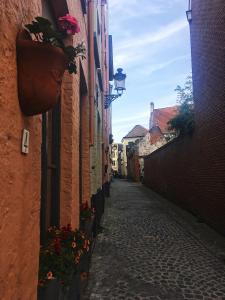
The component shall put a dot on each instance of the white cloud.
(128, 58)
(128, 52)
(148, 70)
(132, 8)
(166, 101)
(172, 81)
(131, 119)
(153, 37)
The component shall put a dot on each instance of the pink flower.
(69, 24)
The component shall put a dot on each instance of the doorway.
(50, 170)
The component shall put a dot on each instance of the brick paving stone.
(151, 249)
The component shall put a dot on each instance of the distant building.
(158, 122)
(154, 138)
(136, 134)
(116, 158)
(158, 134)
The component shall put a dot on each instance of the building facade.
(65, 160)
(157, 136)
(116, 157)
(136, 134)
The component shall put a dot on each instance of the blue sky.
(151, 42)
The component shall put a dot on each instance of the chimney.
(151, 115)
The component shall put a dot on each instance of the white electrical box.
(25, 141)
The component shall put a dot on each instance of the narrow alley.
(151, 249)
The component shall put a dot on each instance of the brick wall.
(133, 167)
(191, 170)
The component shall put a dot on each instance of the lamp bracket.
(109, 99)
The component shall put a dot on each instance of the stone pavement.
(151, 249)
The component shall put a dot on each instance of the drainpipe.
(91, 14)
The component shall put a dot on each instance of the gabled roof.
(161, 116)
(137, 131)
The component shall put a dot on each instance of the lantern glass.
(119, 81)
(119, 85)
(189, 15)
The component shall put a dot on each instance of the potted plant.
(59, 264)
(87, 215)
(42, 58)
(86, 218)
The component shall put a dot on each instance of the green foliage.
(61, 254)
(183, 122)
(86, 212)
(43, 31)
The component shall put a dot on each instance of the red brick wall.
(133, 167)
(191, 171)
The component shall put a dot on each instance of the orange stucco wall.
(20, 175)
(106, 112)
(70, 130)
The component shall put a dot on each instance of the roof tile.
(137, 131)
(162, 115)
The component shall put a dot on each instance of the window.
(84, 6)
(98, 25)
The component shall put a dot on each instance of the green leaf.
(72, 68)
(70, 52)
(43, 21)
(33, 28)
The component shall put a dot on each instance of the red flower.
(69, 24)
(50, 275)
(57, 245)
(69, 228)
(41, 282)
(84, 206)
(64, 228)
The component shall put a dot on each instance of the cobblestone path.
(151, 249)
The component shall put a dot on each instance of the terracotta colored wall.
(85, 151)
(106, 112)
(19, 174)
(133, 167)
(98, 116)
(125, 142)
(70, 130)
(191, 171)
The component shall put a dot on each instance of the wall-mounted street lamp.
(189, 12)
(119, 83)
(189, 15)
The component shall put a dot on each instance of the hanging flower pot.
(42, 58)
(40, 70)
